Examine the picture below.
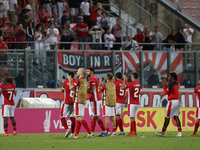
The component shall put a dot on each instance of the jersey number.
(71, 93)
(121, 93)
(136, 92)
(10, 92)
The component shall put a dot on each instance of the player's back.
(197, 90)
(120, 94)
(93, 81)
(8, 90)
(68, 94)
(134, 91)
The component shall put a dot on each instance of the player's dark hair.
(174, 75)
(71, 73)
(109, 76)
(119, 75)
(91, 69)
(135, 74)
(9, 80)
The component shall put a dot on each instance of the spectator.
(65, 17)
(66, 35)
(103, 22)
(73, 5)
(117, 29)
(82, 30)
(157, 38)
(20, 36)
(34, 7)
(109, 40)
(61, 7)
(84, 8)
(147, 39)
(30, 33)
(43, 16)
(10, 37)
(22, 6)
(26, 18)
(172, 38)
(50, 83)
(180, 39)
(3, 54)
(13, 11)
(39, 38)
(93, 14)
(47, 5)
(56, 20)
(55, 6)
(188, 32)
(2, 29)
(139, 38)
(153, 80)
(130, 44)
(96, 36)
(187, 82)
(4, 6)
(52, 34)
(20, 80)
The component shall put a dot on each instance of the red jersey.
(93, 14)
(197, 91)
(93, 81)
(76, 86)
(120, 94)
(82, 34)
(45, 18)
(139, 38)
(133, 92)
(68, 94)
(172, 91)
(3, 45)
(7, 91)
(10, 39)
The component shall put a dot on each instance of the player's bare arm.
(4, 73)
(124, 82)
(91, 90)
(100, 82)
(62, 89)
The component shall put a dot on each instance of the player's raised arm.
(4, 73)
(71, 87)
(100, 82)
(124, 82)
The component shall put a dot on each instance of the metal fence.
(48, 68)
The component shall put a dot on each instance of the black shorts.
(3, 59)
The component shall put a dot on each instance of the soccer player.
(80, 93)
(133, 100)
(95, 102)
(67, 109)
(8, 107)
(173, 107)
(120, 102)
(197, 91)
(109, 103)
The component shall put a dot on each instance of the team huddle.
(113, 101)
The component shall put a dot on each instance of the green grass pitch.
(47, 141)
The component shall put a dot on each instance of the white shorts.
(132, 110)
(94, 108)
(79, 109)
(67, 111)
(8, 111)
(109, 111)
(173, 108)
(119, 108)
(3, 14)
(74, 11)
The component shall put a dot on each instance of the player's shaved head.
(109, 76)
(81, 71)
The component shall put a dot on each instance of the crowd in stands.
(43, 21)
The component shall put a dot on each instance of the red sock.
(164, 129)
(84, 123)
(73, 124)
(6, 130)
(133, 124)
(100, 122)
(114, 129)
(196, 127)
(116, 123)
(93, 124)
(14, 128)
(120, 125)
(78, 127)
(107, 129)
(131, 127)
(64, 123)
(179, 129)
